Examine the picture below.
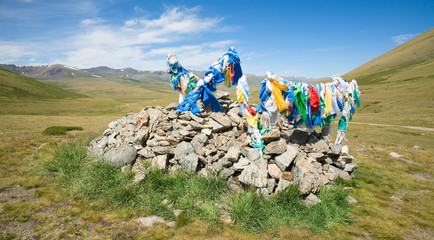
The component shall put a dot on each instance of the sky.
(289, 38)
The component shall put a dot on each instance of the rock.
(226, 173)
(312, 200)
(332, 173)
(149, 221)
(351, 200)
(336, 148)
(154, 115)
(251, 153)
(171, 224)
(345, 150)
(160, 150)
(270, 136)
(287, 176)
(199, 141)
(190, 162)
(350, 167)
(220, 94)
(216, 127)
(306, 177)
(300, 137)
(271, 184)
(233, 154)
(221, 119)
(182, 150)
(176, 212)
(234, 118)
(206, 131)
(173, 115)
(121, 155)
(241, 164)
(417, 148)
(395, 155)
(146, 152)
(172, 106)
(274, 171)
(284, 160)
(159, 161)
(141, 136)
(344, 175)
(255, 174)
(282, 185)
(276, 147)
(226, 217)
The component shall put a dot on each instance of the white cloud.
(141, 43)
(400, 39)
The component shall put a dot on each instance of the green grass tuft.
(103, 186)
(59, 130)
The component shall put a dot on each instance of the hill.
(417, 50)
(16, 86)
(397, 87)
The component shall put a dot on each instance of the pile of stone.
(217, 143)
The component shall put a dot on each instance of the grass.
(15, 86)
(59, 130)
(103, 186)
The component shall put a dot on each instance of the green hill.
(16, 86)
(397, 87)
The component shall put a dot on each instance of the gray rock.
(344, 175)
(199, 141)
(221, 119)
(306, 177)
(241, 164)
(233, 154)
(172, 106)
(271, 184)
(173, 115)
(351, 200)
(276, 147)
(312, 200)
(255, 174)
(159, 161)
(149, 221)
(216, 127)
(160, 150)
(154, 114)
(270, 136)
(197, 118)
(350, 167)
(226, 173)
(300, 137)
(206, 131)
(417, 148)
(234, 117)
(336, 148)
(177, 212)
(284, 160)
(274, 171)
(147, 152)
(182, 150)
(171, 224)
(395, 155)
(190, 162)
(220, 94)
(121, 155)
(251, 153)
(282, 185)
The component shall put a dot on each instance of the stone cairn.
(217, 143)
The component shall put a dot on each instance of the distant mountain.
(16, 86)
(57, 71)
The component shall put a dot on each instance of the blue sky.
(290, 38)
